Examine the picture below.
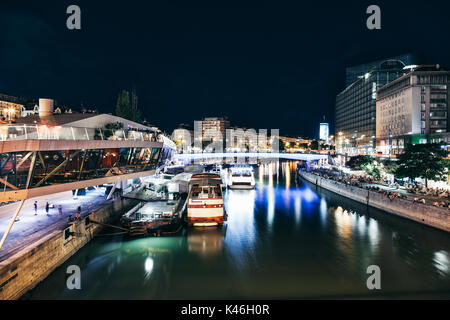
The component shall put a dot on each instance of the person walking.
(79, 213)
(47, 207)
(60, 211)
(35, 208)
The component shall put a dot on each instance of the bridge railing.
(254, 155)
(43, 132)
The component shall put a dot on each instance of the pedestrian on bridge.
(47, 207)
(60, 211)
(35, 208)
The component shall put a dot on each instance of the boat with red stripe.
(205, 200)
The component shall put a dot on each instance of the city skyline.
(289, 69)
(221, 158)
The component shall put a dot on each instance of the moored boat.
(241, 177)
(205, 200)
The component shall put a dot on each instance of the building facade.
(324, 131)
(210, 126)
(353, 73)
(183, 136)
(356, 108)
(10, 107)
(412, 109)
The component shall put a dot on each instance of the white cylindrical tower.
(45, 107)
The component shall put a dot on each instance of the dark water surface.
(282, 240)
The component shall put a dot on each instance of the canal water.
(285, 239)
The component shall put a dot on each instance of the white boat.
(205, 200)
(241, 177)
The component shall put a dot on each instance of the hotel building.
(356, 108)
(413, 109)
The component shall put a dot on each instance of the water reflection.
(441, 261)
(285, 239)
(206, 241)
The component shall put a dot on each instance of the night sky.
(264, 64)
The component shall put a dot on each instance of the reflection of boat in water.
(205, 200)
(241, 177)
(205, 240)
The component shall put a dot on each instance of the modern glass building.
(356, 108)
(39, 159)
(356, 72)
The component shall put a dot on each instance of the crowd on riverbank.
(417, 194)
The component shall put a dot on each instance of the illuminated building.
(413, 109)
(356, 108)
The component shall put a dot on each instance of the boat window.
(215, 192)
(196, 192)
(206, 192)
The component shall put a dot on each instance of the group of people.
(348, 179)
(362, 181)
(434, 192)
(60, 211)
(391, 195)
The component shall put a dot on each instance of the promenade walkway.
(31, 227)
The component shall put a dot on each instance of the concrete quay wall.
(22, 271)
(429, 215)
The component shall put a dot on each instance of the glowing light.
(298, 209)
(308, 195)
(205, 224)
(148, 265)
(270, 206)
(441, 261)
(323, 211)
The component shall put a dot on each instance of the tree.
(357, 162)
(366, 163)
(372, 168)
(425, 161)
(136, 113)
(303, 145)
(123, 106)
(314, 145)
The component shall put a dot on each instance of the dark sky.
(264, 64)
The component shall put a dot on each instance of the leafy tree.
(136, 113)
(389, 165)
(366, 163)
(372, 168)
(303, 145)
(357, 162)
(423, 161)
(123, 106)
(314, 145)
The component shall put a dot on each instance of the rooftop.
(55, 119)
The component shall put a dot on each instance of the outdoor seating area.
(438, 197)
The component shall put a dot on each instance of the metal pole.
(111, 192)
(5, 235)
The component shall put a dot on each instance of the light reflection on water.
(282, 240)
